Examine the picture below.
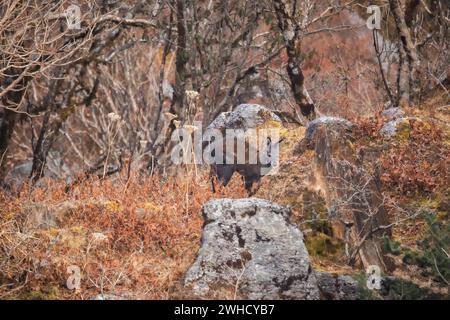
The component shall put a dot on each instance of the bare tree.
(41, 50)
(416, 34)
(290, 32)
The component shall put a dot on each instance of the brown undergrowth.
(136, 238)
(132, 239)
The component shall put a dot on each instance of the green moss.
(439, 202)
(323, 245)
(432, 257)
(49, 293)
(350, 146)
(314, 206)
(66, 112)
(403, 130)
(391, 246)
(400, 289)
(394, 289)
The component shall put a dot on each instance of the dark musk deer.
(251, 174)
(247, 119)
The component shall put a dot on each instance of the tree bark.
(409, 49)
(6, 130)
(182, 57)
(352, 194)
(290, 35)
(10, 102)
(48, 132)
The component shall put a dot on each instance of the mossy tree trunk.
(353, 196)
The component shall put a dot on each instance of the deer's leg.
(249, 182)
(222, 173)
(213, 186)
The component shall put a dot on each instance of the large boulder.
(393, 113)
(250, 247)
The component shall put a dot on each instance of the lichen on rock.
(249, 246)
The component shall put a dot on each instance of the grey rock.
(244, 116)
(337, 287)
(329, 122)
(219, 122)
(55, 168)
(249, 244)
(247, 116)
(109, 296)
(393, 113)
(391, 128)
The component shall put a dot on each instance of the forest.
(224, 149)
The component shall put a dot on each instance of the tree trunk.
(161, 145)
(181, 60)
(11, 100)
(6, 129)
(291, 38)
(352, 194)
(48, 132)
(408, 47)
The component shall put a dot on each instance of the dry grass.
(152, 227)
